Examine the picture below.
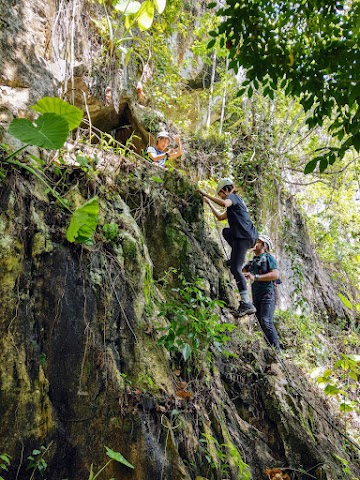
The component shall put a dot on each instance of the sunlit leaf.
(83, 222)
(48, 131)
(345, 301)
(71, 114)
(354, 376)
(145, 15)
(346, 407)
(118, 457)
(128, 22)
(331, 390)
(127, 7)
(156, 179)
(160, 5)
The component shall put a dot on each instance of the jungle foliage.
(50, 131)
(310, 50)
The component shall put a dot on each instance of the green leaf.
(71, 114)
(91, 474)
(323, 164)
(83, 222)
(83, 161)
(310, 166)
(128, 22)
(127, 7)
(48, 131)
(354, 376)
(346, 407)
(117, 457)
(156, 179)
(331, 390)
(345, 301)
(160, 5)
(111, 231)
(241, 92)
(5, 458)
(186, 351)
(145, 15)
(211, 43)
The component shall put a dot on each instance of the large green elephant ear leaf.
(48, 131)
(145, 16)
(127, 7)
(71, 114)
(160, 5)
(83, 222)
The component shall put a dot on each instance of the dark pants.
(239, 247)
(265, 306)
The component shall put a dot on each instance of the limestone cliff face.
(80, 366)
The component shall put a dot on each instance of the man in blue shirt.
(160, 152)
(263, 271)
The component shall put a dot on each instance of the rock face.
(80, 366)
(55, 49)
(25, 40)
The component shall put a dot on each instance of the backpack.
(275, 282)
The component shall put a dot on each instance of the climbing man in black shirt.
(241, 235)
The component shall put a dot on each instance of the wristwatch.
(256, 277)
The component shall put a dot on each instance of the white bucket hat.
(163, 134)
(267, 241)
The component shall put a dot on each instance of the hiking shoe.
(245, 309)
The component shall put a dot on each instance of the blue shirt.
(156, 151)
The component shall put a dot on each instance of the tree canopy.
(308, 48)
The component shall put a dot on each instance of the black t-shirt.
(239, 219)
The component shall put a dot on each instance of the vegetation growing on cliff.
(77, 317)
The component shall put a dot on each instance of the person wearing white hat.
(160, 152)
(241, 235)
(263, 272)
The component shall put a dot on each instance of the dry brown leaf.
(276, 474)
(183, 394)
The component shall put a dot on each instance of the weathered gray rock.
(80, 368)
